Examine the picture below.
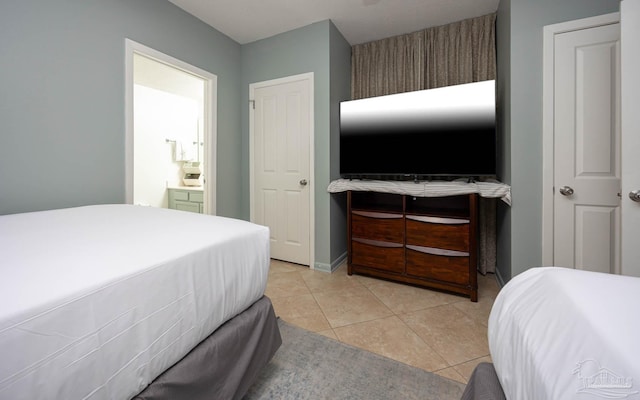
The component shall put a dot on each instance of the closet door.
(585, 138)
(281, 167)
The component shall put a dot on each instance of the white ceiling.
(359, 21)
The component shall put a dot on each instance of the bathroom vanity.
(187, 199)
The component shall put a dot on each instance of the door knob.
(566, 191)
(634, 195)
(303, 182)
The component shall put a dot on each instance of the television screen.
(448, 131)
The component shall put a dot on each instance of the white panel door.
(630, 41)
(281, 167)
(587, 149)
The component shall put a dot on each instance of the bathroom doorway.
(171, 132)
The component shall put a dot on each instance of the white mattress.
(557, 333)
(97, 301)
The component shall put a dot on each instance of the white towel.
(183, 151)
(188, 151)
(178, 151)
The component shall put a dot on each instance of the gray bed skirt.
(483, 384)
(225, 364)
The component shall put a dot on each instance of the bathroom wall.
(161, 116)
(168, 112)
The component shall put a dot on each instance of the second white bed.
(557, 333)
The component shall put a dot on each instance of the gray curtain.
(487, 235)
(460, 52)
(388, 66)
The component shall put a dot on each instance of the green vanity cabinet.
(186, 200)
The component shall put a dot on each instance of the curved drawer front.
(438, 252)
(439, 235)
(438, 220)
(379, 255)
(440, 267)
(386, 227)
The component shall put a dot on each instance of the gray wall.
(503, 98)
(340, 66)
(520, 27)
(298, 51)
(62, 127)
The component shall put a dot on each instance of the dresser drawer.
(379, 255)
(449, 266)
(443, 233)
(388, 227)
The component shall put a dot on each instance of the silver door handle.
(566, 191)
(634, 195)
(303, 182)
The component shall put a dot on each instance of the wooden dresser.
(424, 241)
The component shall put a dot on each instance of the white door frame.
(210, 118)
(257, 85)
(630, 63)
(550, 31)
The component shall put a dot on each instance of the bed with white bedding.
(96, 302)
(558, 333)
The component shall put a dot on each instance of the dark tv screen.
(449, 131)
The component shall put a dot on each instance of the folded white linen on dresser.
(97, 301)
(488, 188)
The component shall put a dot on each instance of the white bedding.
(97, 301)
(557, 333)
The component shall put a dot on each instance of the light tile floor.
(435, 331)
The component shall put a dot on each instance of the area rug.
(312, 366)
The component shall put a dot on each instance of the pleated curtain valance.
(460, 52)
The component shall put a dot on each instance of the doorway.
(281, 154)
(581, 145)
(171, 130)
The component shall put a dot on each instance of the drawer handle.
(438, 252)
(377, 243)
(438, 220)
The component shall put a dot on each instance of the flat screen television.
(448, 131)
